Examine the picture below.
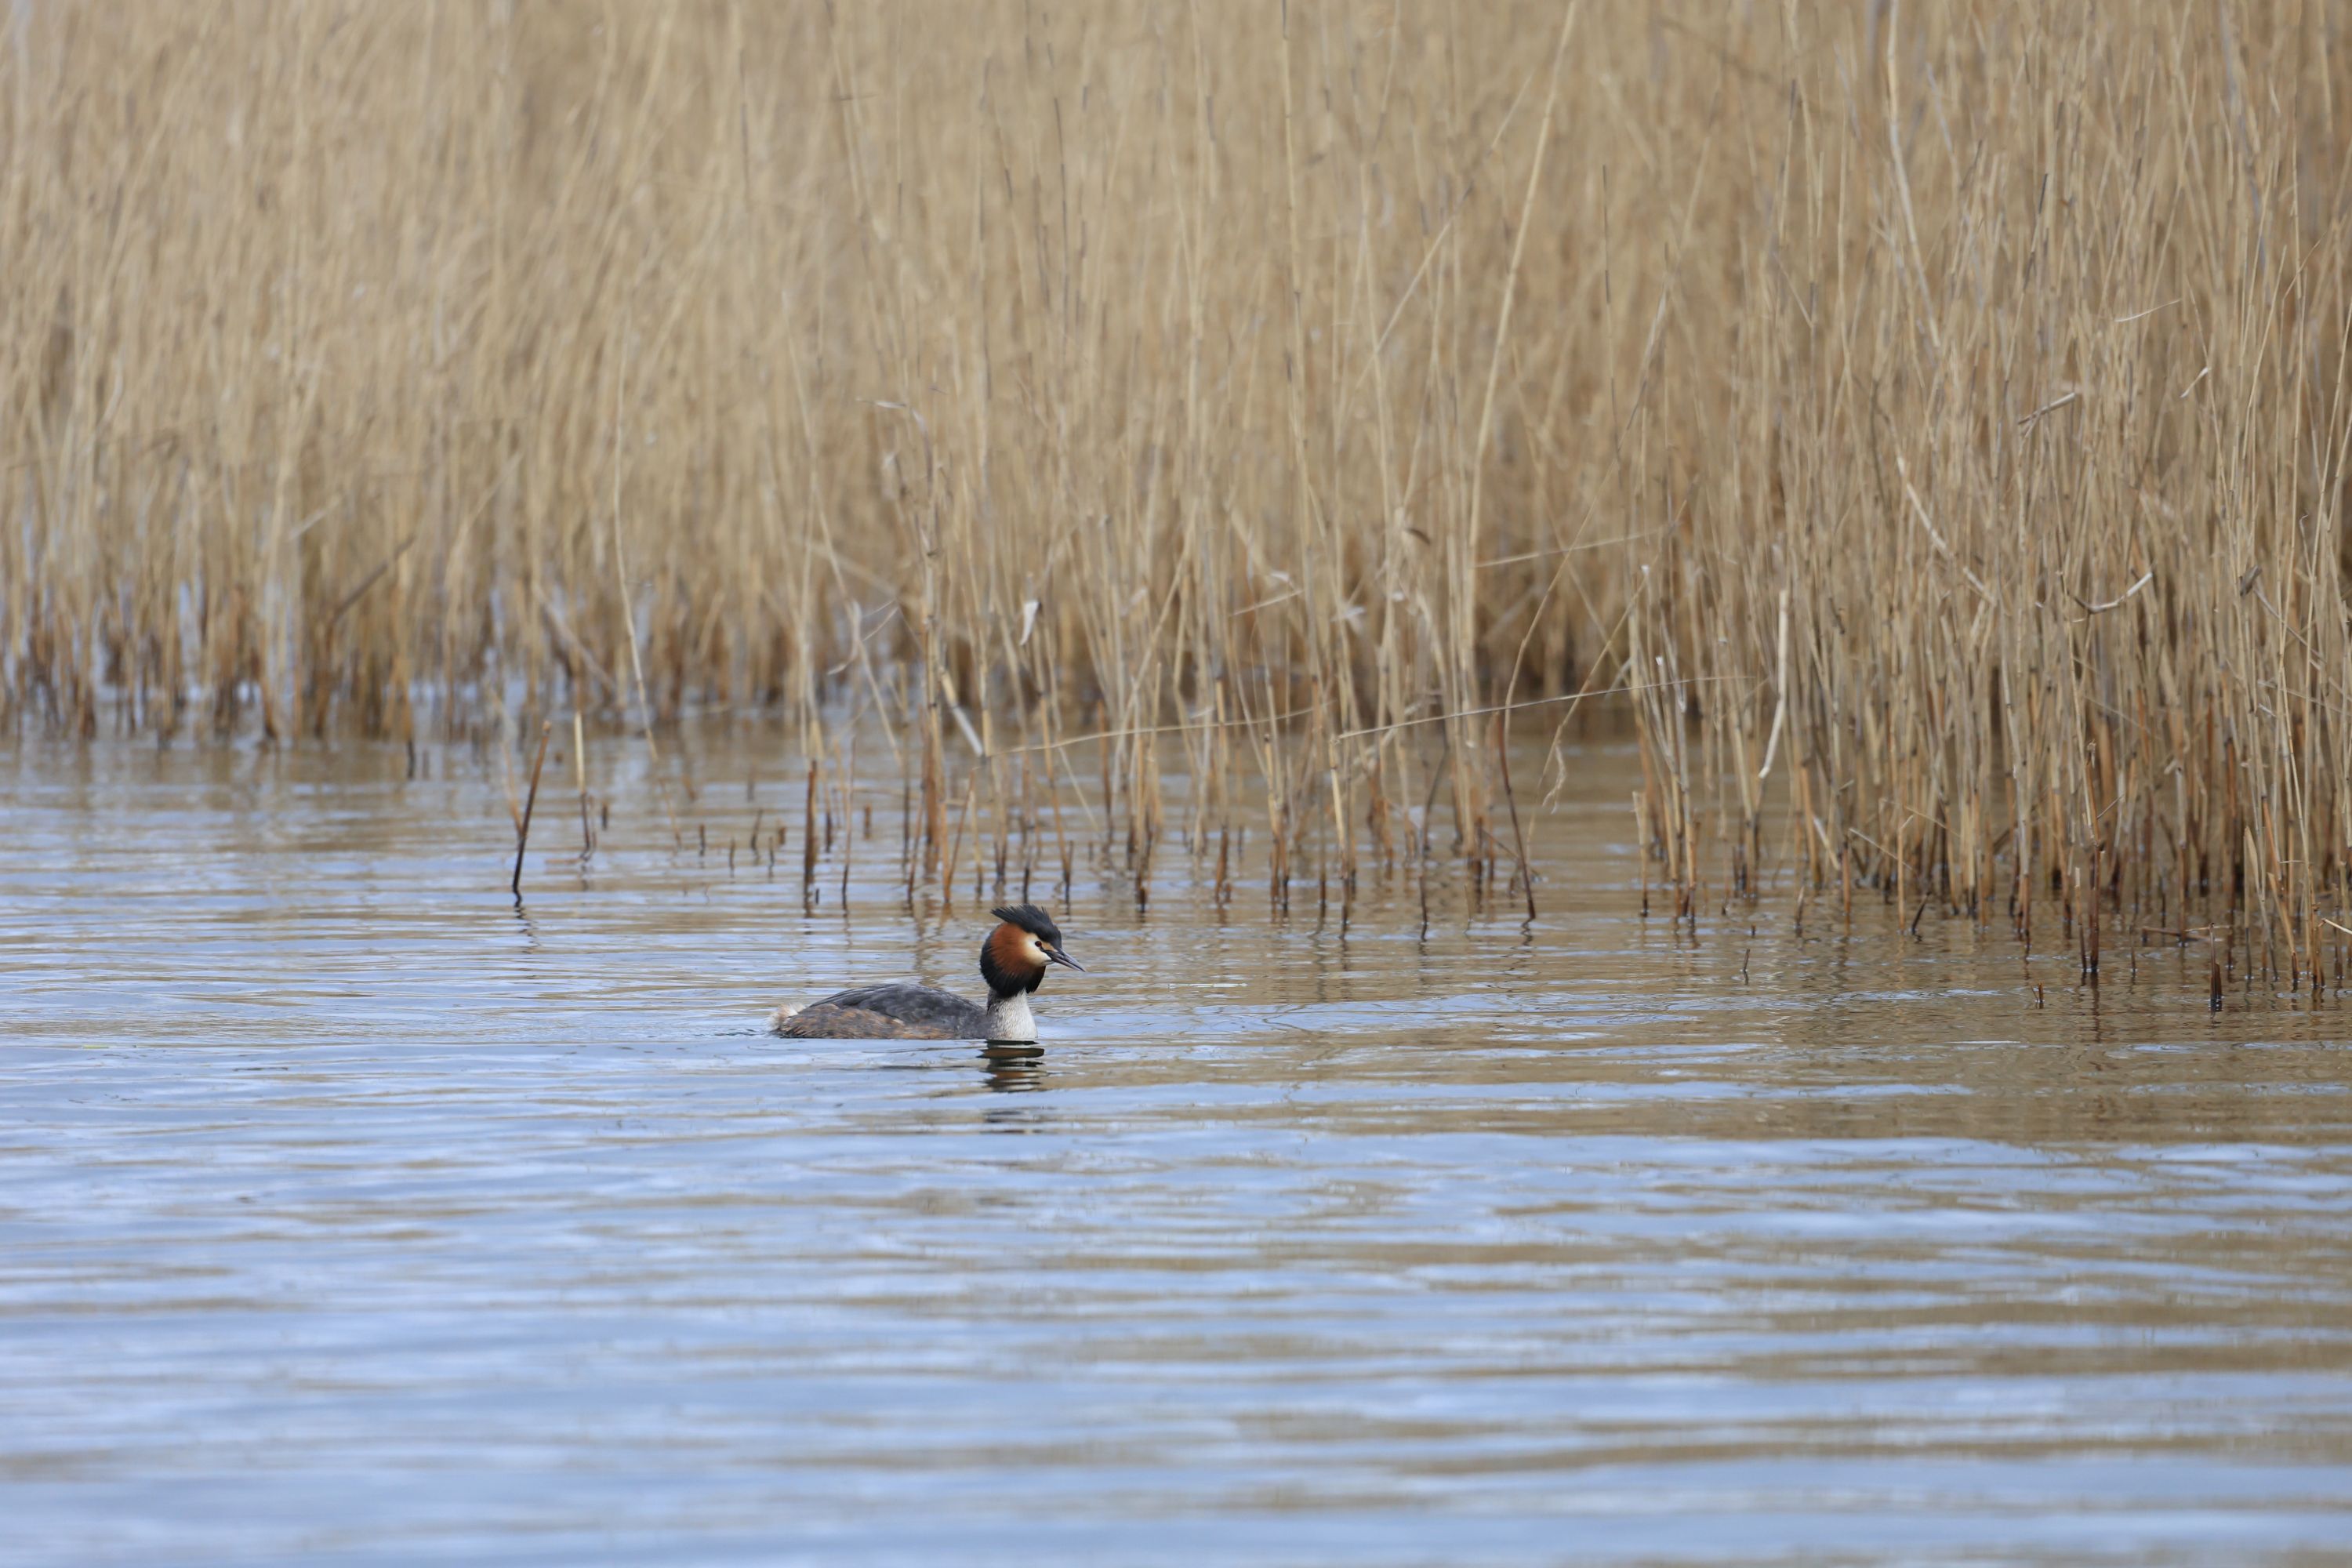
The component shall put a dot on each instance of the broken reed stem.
(580, 779)
(808, 838)
(530, 800)
(1526, 872)
(954, 846)
(848, 806)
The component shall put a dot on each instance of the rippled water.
(347, 1214)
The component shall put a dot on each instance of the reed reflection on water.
(347, 1214)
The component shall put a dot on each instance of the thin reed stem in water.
(530, 800)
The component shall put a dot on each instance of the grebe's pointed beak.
(1057, 955)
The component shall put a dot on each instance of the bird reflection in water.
(1013, 1069)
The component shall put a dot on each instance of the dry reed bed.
(1931, 415)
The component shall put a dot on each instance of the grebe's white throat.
(1009, 1022)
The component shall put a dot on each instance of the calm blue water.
(348, 1216)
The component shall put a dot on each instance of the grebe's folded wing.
(900, 1010)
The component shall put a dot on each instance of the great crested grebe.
(1013, 960)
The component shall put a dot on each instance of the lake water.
(349, 1215)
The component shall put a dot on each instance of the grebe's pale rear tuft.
(1013, 960)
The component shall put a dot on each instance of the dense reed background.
(1928, 420)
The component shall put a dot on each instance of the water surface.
(348, 1214)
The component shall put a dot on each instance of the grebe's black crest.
(1033, 919)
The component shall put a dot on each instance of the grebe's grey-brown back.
(1012, 960)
